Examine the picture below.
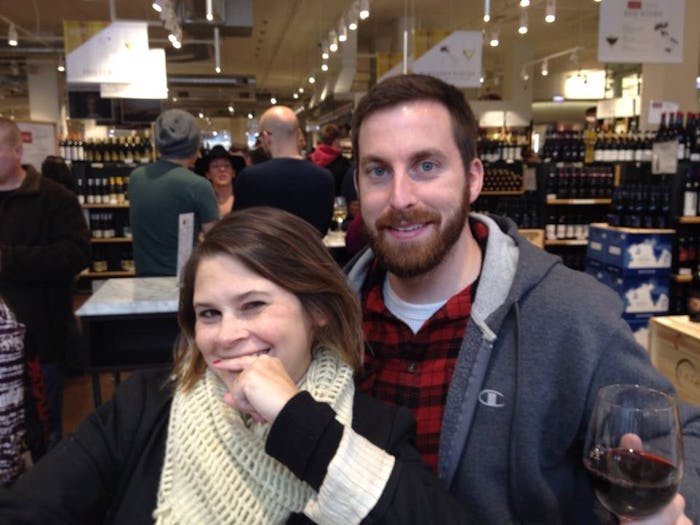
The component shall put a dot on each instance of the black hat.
(219, 152)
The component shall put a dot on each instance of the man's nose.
(403, 192)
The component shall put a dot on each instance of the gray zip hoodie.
(541, 340)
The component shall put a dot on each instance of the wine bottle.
(694, 297)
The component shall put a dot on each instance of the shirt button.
(412, 368)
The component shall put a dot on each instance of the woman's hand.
(258, 385)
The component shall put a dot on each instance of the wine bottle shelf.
(503, 193)
(566, 242)
(110, 240)
(689, 220)
(109, 273)
(578, 201)
(104, 206)
(682, 278)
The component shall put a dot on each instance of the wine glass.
(340, 211)
(634, 450)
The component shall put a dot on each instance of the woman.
(220, 171)
(270, 338)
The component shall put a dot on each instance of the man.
(286, 181)
(166, 192)
(44, 244)
(328, 154)
(497, 348)
(220, 170)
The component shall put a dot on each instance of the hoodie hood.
(324, 154)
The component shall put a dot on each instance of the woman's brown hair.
(287, 251)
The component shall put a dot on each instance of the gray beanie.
(177, 134)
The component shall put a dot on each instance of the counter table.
(129, 323)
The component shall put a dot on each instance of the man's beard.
(411, 259)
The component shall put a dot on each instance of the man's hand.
(258, 385)
(671, 514)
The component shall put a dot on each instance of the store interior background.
(268, 49)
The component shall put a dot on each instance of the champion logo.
(491, 398)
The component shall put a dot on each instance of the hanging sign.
(456, 59)
(96, 54)
(151, 79)
(641, 31)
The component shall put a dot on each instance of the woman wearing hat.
(220, 170)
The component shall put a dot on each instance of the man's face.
(10, 157)
(413, 190)
(220, 172)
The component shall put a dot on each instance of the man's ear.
(475, 179)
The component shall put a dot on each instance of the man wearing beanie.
(165, 192)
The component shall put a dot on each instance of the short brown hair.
(329, 133)
(13, 136)
(286, 250)
(412, 88)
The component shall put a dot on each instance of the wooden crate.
(674, 345)
(535, 236)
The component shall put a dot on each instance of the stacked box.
(636, 263)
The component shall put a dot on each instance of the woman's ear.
(319, 318)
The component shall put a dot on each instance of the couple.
(497, 349)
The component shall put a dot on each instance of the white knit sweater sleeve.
(355, 480)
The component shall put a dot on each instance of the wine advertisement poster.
(641, 31)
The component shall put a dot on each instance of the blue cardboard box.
(630, 248)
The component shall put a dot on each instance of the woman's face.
(240, 313)
(220, 172)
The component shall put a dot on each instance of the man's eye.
(377, 171)
(427, 165)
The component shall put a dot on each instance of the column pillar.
(674, 82)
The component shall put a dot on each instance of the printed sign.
(151, 80)
(641, 31)
(456, 59)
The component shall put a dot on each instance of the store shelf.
(681, 278)
(503, 193)
(110, 240)
(566, 242)
(112, 273)
(104, 206)
(581, 202)
(689, 220)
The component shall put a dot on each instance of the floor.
(77, 398)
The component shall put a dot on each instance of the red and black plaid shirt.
(415, 370)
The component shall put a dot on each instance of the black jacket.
(109, 470)
(44, 244)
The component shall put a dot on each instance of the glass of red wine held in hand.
(634, 450)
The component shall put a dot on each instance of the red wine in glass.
(631, 483)
(634, 450)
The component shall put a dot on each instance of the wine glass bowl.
(340, 211)
(634, 450)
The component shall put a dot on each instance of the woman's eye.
(251, 306)
(207, 314)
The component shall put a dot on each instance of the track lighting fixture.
(12, 35)
(550, 11)
(522, 28)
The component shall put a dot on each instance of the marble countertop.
(137, 295)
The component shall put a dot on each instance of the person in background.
(263, 377)
(258, 153)
(13, 430)
(287, 181)
(241, 150)
(497, 348)
(161, 194)
(44, 244)
(220, 171)
(328, 154)
(56, 168)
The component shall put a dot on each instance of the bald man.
(287, 180)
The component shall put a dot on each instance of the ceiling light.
(481, 79)
(273, 100)
(522, 29)
(157, 5)
(295, 96)
(487, 10)
(210, 11)
(312, 79)
(550, 11)
(352, 21)
(250, 116)
(524, 3)
(493, 39)
(364, 9)
(217, 50)
(557, 98)
(324, 67)
(61, 64)
(230, 109)
(524, 74)
(342, 32)
(324, 50)
(12, 35)
(333, 41)
(545, 68)
(200, 115)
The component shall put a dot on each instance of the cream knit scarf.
(216, 469)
